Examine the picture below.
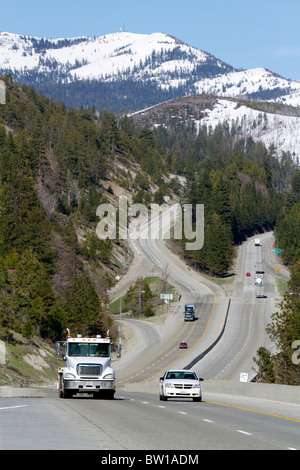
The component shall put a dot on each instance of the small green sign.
(278, 250)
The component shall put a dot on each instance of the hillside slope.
(275, 125)
(56, 168)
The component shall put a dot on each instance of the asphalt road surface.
(139, 421)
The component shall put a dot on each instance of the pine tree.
(23, 221)
(216, 254)
(283, 330)
(82, 307)
(265, 372)
(33, 294)
(221, 199)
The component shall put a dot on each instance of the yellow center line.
(206, 401)
(243, 408)
(213, 307)
(254, 411)
(167, 367)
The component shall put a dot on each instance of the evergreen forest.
(57, 165)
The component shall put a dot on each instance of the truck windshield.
(89, 350)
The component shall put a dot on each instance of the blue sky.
(244, 33)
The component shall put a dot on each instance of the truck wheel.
(110, 394)
(63, 393)
(60, 387)
(67, 394)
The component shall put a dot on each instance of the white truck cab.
(87, 367)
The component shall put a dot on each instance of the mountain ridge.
(102, 58)
(132, 71)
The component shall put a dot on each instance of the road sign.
(278, 250)
(243, 377)
(166, 296)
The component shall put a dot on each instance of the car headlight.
(69, 376)
(109, 376)
(196, 386)
(168, 384)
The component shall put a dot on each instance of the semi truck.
(87, 367)
(259, 268)
(259, 287)
(189, 312)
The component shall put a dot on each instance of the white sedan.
(180, 384)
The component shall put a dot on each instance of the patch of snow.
(246, 82)
(271, 129)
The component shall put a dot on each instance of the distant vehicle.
(189, 312)
(257, 242)
(180, 383)
(259, 268)
(259, 287)
(183, 345)
(248, 274)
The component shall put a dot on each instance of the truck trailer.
(259, 288)
(87, 367)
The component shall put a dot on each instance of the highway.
(139, 421)
(136, 419)
(162, 338)
(242, 316)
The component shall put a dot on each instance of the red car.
(248, 274)
(183, 345)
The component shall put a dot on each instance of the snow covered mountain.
(131, 71)
(275, 125)
(115, 56)
(253, 84)
(119, 65)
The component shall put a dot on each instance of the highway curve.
(136, 419)
(235, 325)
